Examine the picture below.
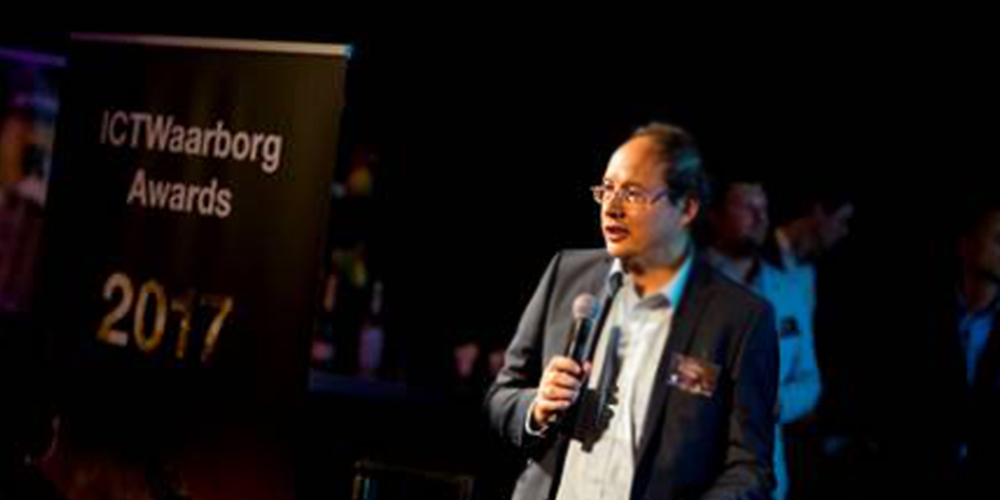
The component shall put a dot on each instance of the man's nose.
(613, 208)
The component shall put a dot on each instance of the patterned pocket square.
(693, 375)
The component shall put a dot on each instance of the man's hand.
(560, 385)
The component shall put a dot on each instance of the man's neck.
(651, 274)
(979, 292)
(795, 234)
(741, 262)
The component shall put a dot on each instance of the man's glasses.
(630, 195)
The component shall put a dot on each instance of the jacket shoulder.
(735, 295)
(584, 256)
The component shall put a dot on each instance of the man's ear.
(690, 207)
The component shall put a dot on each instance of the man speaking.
(676, 399)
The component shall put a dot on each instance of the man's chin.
(617, 251)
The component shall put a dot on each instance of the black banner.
(188, 206)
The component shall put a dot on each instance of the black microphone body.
(590, 345)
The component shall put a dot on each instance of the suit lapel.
(600, 278)
(683, 328)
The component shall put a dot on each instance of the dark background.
(490, 137)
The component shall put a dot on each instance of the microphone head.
(583, 306)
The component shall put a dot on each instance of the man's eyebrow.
(624, 184)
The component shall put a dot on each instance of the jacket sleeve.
(509, 397)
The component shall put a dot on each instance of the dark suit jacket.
(983, 419)
(693, 447)
(942, 411)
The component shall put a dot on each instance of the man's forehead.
(746, 190)
(638, 165)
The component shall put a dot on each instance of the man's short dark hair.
(726, 180)
(685, 175)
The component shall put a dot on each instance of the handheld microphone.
(579, 336)
(585, 335)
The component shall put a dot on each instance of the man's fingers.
(563, 381)
(559, 388)
(564, 364)
(553, 393)
(547, 407)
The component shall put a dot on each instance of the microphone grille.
(583, 306)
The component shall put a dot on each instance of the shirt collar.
(672, 291)
(726, 265)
